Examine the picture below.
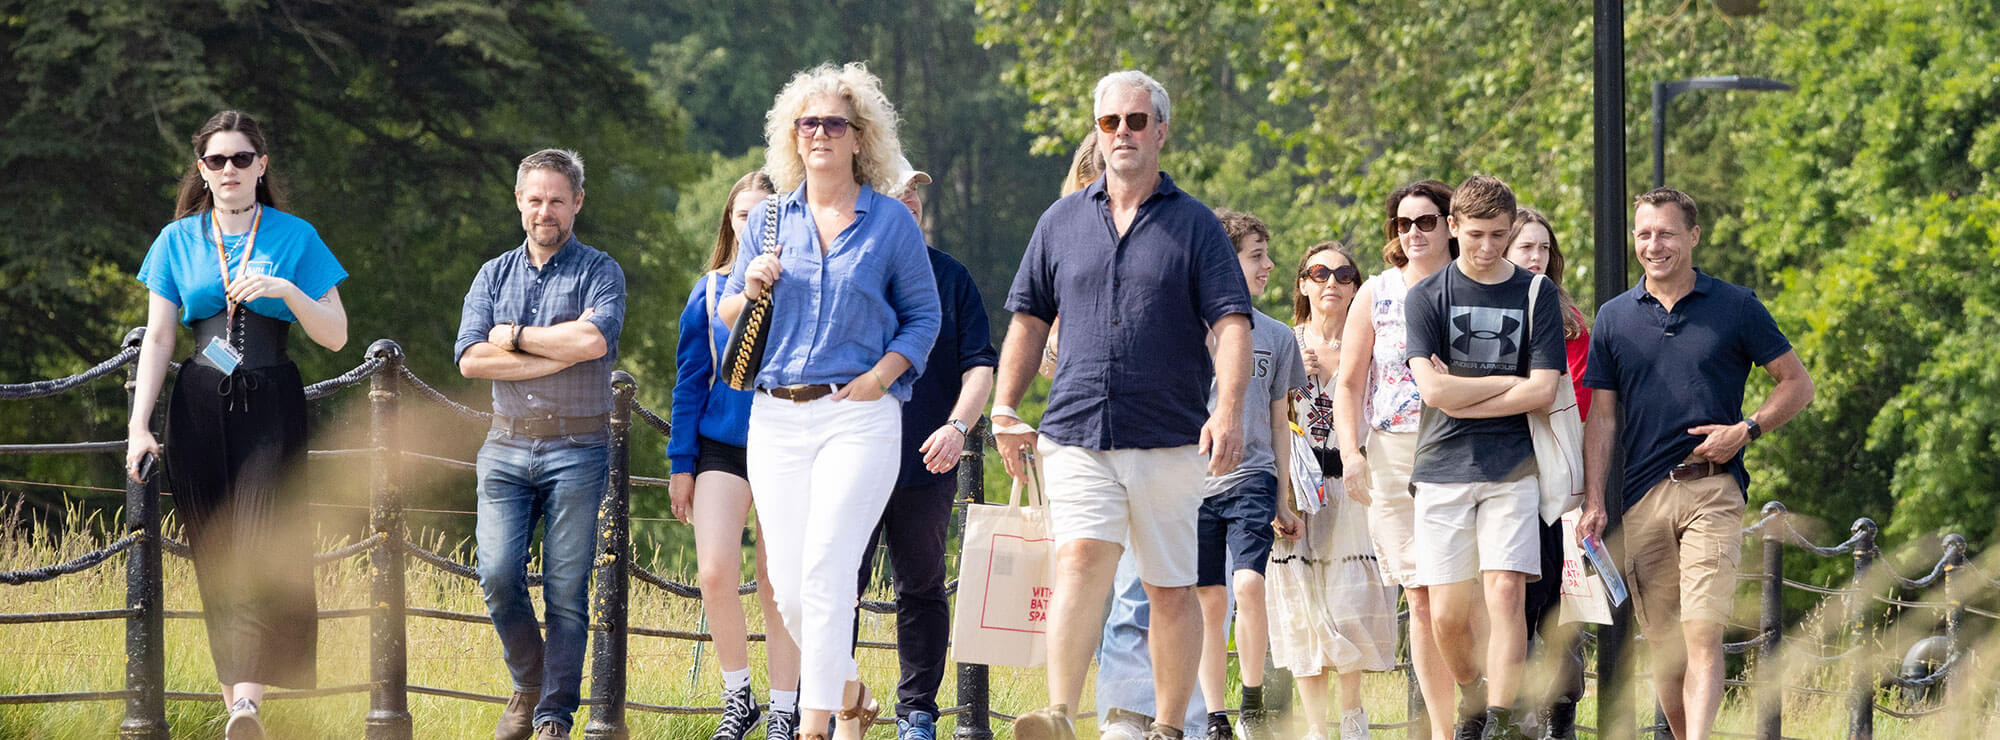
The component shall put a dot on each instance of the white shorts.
(1465, 528)
(1147, 500)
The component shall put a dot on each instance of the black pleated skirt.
(236, 452)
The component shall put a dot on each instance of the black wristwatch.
(963, 430)
(1756, 430)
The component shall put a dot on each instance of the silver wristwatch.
(963, 430)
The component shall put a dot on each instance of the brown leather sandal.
(857, 704)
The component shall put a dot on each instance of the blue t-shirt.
(704, 405)
(1676, 370)
(1134, 369)
(181, 265)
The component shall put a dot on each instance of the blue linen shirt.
(965, 342)
(1677, 370)
(1134, 368)
(836, 313)
(509, 291)
(181, 265)
(703, 406)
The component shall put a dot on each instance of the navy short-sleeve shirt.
(1134, 368)
(1676, 370)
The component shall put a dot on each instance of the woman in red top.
(1534, 248)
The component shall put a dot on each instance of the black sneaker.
(1470, 728)
(782, 725)
(1218, 727)
(1559, 721)
(739, 714)
(1254, 724)
(1500, 725)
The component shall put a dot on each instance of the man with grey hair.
(541, 321)
(1143, 275)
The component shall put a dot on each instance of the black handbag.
(743, 357)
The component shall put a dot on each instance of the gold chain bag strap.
(744, 355)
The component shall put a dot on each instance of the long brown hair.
(1301, 307)
(1439, 195)
(724, 253)
(194, 196)
(1572, 318)
(1084, 167)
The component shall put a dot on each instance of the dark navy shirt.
(509, 291)
(1677, 370)
(1134, 370)
(963, 343)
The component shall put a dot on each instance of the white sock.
(737, 680)
(784, 701)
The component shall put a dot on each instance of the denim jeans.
(523, 481)
(1124, 665)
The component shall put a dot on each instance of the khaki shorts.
(1682, 545)
(1146, 500)
(1465, 528)
(1392, 512)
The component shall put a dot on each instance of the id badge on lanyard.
(223, 355)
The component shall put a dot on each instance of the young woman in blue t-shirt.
(240, 272)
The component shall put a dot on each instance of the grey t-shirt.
(1477, 330)
(1275, 369)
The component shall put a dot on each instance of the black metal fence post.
(1861, 704)
(614, 543)
(145, 639)
(388, 643)
(974, 723)
(1770, 625)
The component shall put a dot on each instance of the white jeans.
(821, 473)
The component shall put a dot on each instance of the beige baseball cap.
(910, 176)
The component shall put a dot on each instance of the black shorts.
(1234, 532)
(722, 458)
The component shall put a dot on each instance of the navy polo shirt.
(963, 343)
(1675, 370)
(1134, 368)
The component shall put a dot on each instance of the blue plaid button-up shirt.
(509, 291)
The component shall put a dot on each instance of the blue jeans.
(1124, 665)
(523, 481)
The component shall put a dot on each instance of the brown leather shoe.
(1049, 723)
(517, 720)
(551, 731)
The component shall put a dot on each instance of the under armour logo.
(1482, 335)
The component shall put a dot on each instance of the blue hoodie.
(703, 406)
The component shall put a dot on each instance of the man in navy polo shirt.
(944, 405)
(1142, 273)
(1675, 350)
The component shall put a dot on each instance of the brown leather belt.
(801, 393)
(1694, 471)
(542, 427)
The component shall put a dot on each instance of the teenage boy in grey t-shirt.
(1241, 506)
(1481, 364)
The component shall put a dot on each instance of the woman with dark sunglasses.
(241, 272)
(1376, 408)
(1346, 622)
(853, 315)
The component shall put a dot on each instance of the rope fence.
(1941, 594)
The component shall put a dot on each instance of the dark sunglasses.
(242, 160)
(1135, 121)
(835, 126)
(1344, 274)
(1425, 222)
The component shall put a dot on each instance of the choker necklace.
(236, 211)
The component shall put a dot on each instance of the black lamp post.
(1665, 92)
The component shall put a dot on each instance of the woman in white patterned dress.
(1331, 611)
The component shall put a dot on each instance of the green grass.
(86, 656)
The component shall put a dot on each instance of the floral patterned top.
(1393, 404)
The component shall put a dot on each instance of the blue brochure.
(1614, 585)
